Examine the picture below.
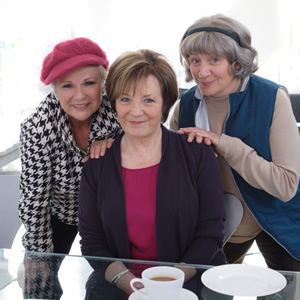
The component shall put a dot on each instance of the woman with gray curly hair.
(249, 121)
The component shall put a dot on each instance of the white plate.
(243, 280)
(184, 295)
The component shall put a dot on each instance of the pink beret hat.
(70, 55)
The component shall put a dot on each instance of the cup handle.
(133, 281)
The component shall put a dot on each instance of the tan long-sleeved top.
(279, 177)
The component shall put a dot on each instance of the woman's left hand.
(189, 271)
(98, 148)
(201, 135)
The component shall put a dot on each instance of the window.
(28, 29)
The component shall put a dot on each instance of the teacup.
(160, 282)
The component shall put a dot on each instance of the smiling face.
(140, 111)
(212, 74)
(79, 93)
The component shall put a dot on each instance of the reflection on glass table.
(75, 271)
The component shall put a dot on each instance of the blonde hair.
(103, 75)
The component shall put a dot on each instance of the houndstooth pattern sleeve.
(35, 183)
(51, 169)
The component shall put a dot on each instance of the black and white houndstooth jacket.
(51, 168)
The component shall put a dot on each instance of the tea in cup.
(160, 282)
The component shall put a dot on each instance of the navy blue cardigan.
(189, 208)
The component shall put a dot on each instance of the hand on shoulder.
(200, 135)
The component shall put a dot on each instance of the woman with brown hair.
(153, 196)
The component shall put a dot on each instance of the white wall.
(159, 25)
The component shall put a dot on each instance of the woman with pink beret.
(54, 141)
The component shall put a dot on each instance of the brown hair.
(131, 67)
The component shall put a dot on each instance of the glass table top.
(74, 276)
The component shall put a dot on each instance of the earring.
(237, 66)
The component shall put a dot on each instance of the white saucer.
(243, 280)
(184, 295)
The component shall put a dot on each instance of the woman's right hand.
(200, 135)
(98, 148)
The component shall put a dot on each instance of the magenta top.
(140, 201)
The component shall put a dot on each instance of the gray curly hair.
(235, 45)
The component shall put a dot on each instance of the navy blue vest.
(250, 118)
